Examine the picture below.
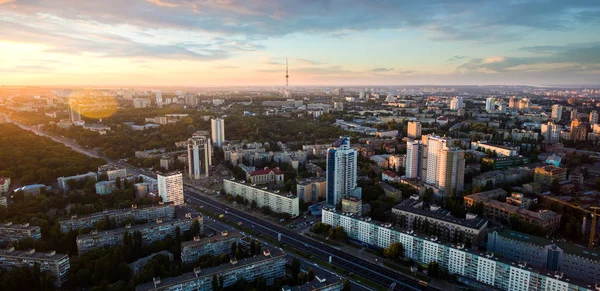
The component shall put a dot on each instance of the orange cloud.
(156, 2)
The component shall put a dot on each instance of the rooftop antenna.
(286, 93)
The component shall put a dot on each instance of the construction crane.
(594, 213)
(593, 229)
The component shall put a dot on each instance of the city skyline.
(228, 43)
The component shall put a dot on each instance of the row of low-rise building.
(15, 232)
(192, 250)
(546, 219)
(57, 265)
(150, 213)
(499, 177)
(270, 266)
(480, 269)
(151, 232)
(278, 202)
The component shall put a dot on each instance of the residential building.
(113, 172)
(578, 130)
(546, 219)
(518, 199)
(192, 250)
(456, 103)
(414, 155)
(390, 176)
(33, 189)
(546, 174)
(451, 170)
(414, 129)
(199, 154)
(269, 266)
(472, 227)
(311, 190)
(352, 205)
(266, 176)
(63, 182)
(504, 162)
(217, 130)
(480, 270)
(500, 150)
(557, 112)
(499, 177)
(574, 114)
(57, 265)
(3, 201)
(278, 202)
(170, 188)
(4, 184)
(395, 162)
(74, 112)
(141, 103)
(573, 260)
(434, 145)
(10, 232)
(551, 132)
(341, 172)
(148, 213)
(105, 187)
(490, 104)
(159, 100)
(593, 117)
(151, 232)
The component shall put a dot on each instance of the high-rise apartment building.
(414, 154)
(414, 129)
(341, 172)
(159, 100)
(490, 104)
(456, 103)
(512, 103)
(170, 188)
(574, 114)
(594, 117)
(550, 132)
(74, 111)
(557, 112)
(435, 145)
(451, 169)
(199, 155)
(217, 130)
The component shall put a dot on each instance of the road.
(375, 273)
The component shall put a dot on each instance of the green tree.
(346, 286)
(394, 251)
(295, 267)
(215, 283)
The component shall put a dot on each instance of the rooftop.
(219, 237)
(10, 225)
(132, 228)
(391, 174)
(410, 205)
(266, 171)
(262, 188)
(113, 212)
(31, 253)
(190, 276)
(306, 181)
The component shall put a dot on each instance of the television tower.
(286, 93)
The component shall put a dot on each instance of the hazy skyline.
(229, 42)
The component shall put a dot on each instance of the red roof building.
(266, 176)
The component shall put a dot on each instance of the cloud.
(456, 58)
(308, 62)
(225, 67)
(378, 70)
(163, 4)
(582, 58)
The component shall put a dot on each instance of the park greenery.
(28, 158)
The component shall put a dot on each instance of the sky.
(326, 42)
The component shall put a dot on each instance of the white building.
(277, 202)
(556, 112)
(551, 132)
(159, 100)
(435, 145)
(456, 103)
(217, 129)
(170, 188)
(490, 104)
(341, 172)
(413, 159)
(501, 151)
(414, 129)
(4, 184)
(141, 103)
(594, 117)
(199, 155)
(451, 169)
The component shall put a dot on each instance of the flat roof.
(133, 228)
(408, 205)
(189, 276)
(262, 188)
(218, 237)
(19, 226)
(32, 254)
(114, 212)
